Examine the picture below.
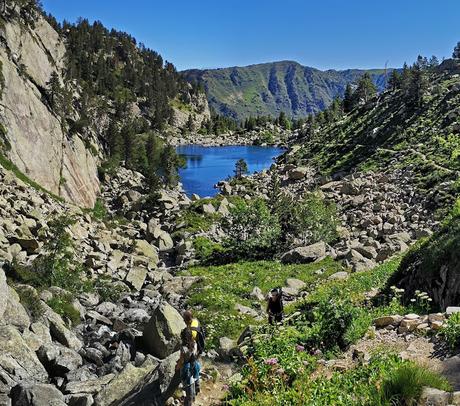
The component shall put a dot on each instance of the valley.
(131, 192)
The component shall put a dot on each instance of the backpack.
(200, 338)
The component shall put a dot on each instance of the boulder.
(208, 208)
(162, 333)
(452, 309)
(246, 310)
(257, 294)
(340, 276)
(124, 383)
(179, 284)
(147, 250)
(297, 173)
(58, 360)
(92, 386)
(59, 330)
(387, 320)
(228, 349)
(156, 387)
(165, 242)
(79, 399)
(15, 314)
(434, 397)
(136, 277)
(305, 255)
(17, 361)
(294, 283)
(3, 293)
(38, 394)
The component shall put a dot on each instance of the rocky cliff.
(35, 140)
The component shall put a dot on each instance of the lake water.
(208, 165)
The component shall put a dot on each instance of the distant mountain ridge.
(269, 88)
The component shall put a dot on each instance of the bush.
(62, 305)
(404, 385)
(99, 210)
(451, 331)
(307, 220)
(207, 251)
(252, 230)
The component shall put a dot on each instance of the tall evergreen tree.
(241, 168)
(348, 100)
(394, 83)
(366, 88)
(456, 53)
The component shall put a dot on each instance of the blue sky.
(326, 34)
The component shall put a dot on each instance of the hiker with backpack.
(192, 346)
(275, 306)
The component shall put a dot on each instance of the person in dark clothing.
(275, 306)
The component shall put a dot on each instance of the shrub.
(309, 219)
(404, 385)
(62, 305)
(108, 291)
(99, 210)
(207, 251)
(252, 229)
(451, 331)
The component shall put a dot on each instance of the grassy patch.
(224, 286)
(385, 381)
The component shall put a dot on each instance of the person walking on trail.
(275, 306)
(192, 345)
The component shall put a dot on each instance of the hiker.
(275, 306)
(192, 345)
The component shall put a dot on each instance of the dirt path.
(214, 386)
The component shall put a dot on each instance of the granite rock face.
(39, 147)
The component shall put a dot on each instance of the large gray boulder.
(305, 255)
(58, 360)
(297, 173)
(59, 330)
(3, 293)
(37, 395)
(162, 333)
(156, 387)
(15, 314)
(136, 277)
(17, 361)
(125, 382)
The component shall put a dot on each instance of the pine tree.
(54, 90)
(456, 53)
(366, 88)
(406, 79)
(241, 168)
(348, 99)
(419, 84)
(394, 83)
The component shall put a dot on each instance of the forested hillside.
(271, 88)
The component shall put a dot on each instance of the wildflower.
(299, 348)
(271, 361)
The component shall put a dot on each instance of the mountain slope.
(392, 131)
(269, 88)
